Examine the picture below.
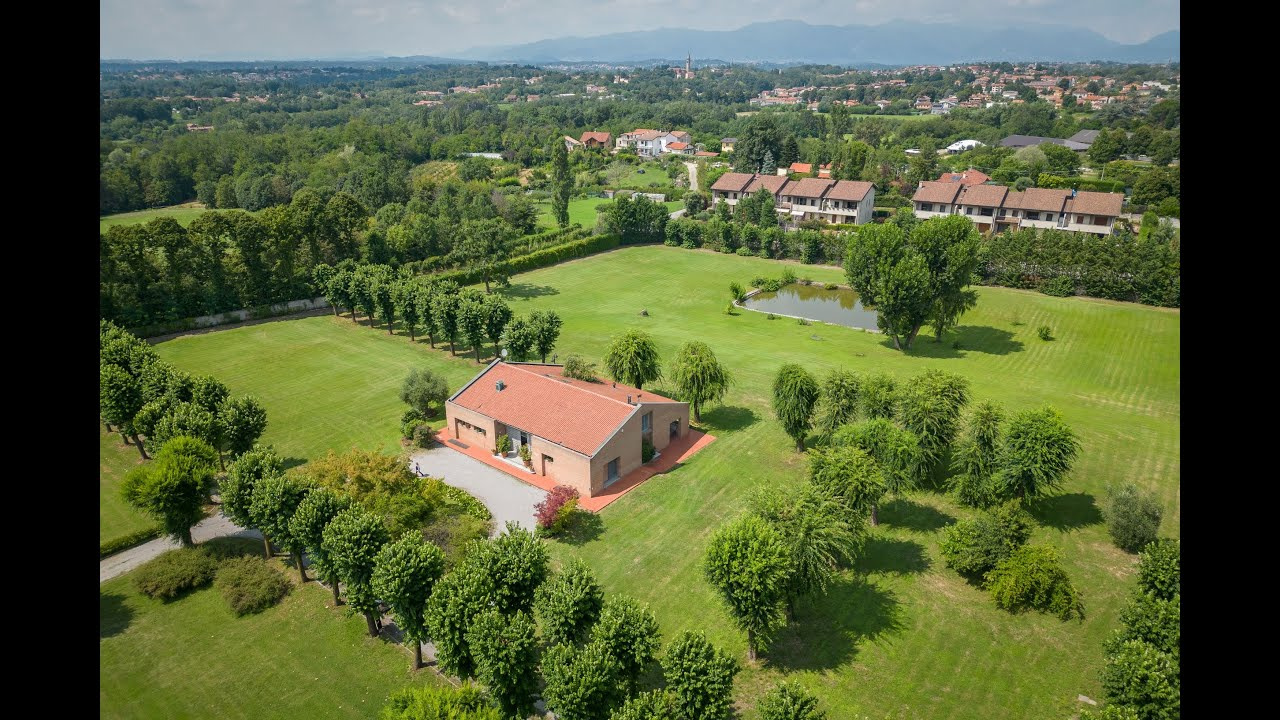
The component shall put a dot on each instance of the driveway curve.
(507, 498)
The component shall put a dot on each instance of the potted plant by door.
(527, 457)
(504, 445)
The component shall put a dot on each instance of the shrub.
(977, 545)
(1045, 333)
(745, 252)
(116, 544)
(577, 367)
(409, 428)
(728, 310)
(788, 276)
(526, 454)
(830, 286)
(423, 436)
(412, 415)
(465, 502)
(172, 573)
(1060, 286)
(1140, 676)
(758, 281)
(802, 321)
(647, 451)
(771, 285)
(771, 316)
(1032, 577)
(1160, 569)
(1133, 518)
(250, 585)
(1152, 620)
(735, 291)
(503, 445)
(790, 701)
(805, 281)
(556, 508)
(418, 702)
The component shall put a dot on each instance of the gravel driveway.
(506, 497)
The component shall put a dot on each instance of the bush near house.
(554, 511)
(175, 572)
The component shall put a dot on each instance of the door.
(675, 429)
(611, 472)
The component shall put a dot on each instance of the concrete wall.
(624, 445)
(561, 465)
(866, 208)
(471, 436)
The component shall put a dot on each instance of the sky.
(299, 29)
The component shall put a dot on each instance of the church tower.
(688, 65)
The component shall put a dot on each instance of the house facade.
(832, 201)
(997, 208)
(651, 143)
(581, 434)
(596, 139)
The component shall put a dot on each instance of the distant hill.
(897, 42)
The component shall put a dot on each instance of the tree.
(879, 396)
(506, 653)
(652, 705)
(895, 450)
(579, 368)
(242, 420)
(700, 676)
(384, 299)
(546, 326)
(1039, 450)
(747, 562)
(186, 419)
(1160, 568)
(795, 393)
(977, 456)
(790, 701)
(1139, 676)
(422, 389)
(119, 400)
(699, 378)
(628, 631)
(818, 533)
(404, 294)
(976, 545)
(561, 183)
(949, 246)
(208, 392)
(1107, 146)
(307, 525)
(497, 313)
(518, 338)
(1133, 519)
(515, 565)
(760, 137)
(274, 501)
(849, 475)
(838, 401)
(484, 244)
(338, 290)
(456, 600)
(444, 312)
(904, 300)
(236, 490)
(404, 573)
(568, 604)
(361, 293)
(581, 683)
(175, 486)
(1152, 620)
(632, 358)
(767, 164)
(929, 406)
(1032, 577)
(352, 541)
(426, 292)
(636, 219)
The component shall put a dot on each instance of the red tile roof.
(1042, 199)
(772, 183)
(808, 188)
(732, 182)
(799, 167)
(937, 192)
(1096, 203)
(705, 153)
(849, 190)
(983, 195)
(678, 145)
(566, 413)
(603, 388)
(969, 177)
(600, 137)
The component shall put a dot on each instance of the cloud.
(272, 29)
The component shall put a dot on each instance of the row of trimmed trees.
(141, 396)
(439, 307)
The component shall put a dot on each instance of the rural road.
(693, 185)
(211, 527)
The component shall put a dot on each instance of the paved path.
(506, 497)
(208, 529)
(693, 175)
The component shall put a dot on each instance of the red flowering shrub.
(554, 511)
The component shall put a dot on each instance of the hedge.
(1046, 180)
(467, 502)
(535, 260)
(123, 542)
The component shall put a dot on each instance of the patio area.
(672, 455)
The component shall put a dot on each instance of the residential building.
(586, 435)
(996, 207)
(935, 199)
(1021, 141)
(570, 144)
(651, 143)
(960, 146)
(726, 144)
(679, 148)
(596, 139)
(968, 177)
(832, 201)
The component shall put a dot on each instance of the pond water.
(838, 307)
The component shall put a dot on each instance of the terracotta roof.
(849, 190)
(678, 145)
(799, 167)
(968, 177)
(603, 388)
(1096, 203)
(937, 192)
(602, 137)
(648, 134)
(808, 188)
(1043, 199)
(706, 153)
(983, 195)
(732, 182)
(553, 410)
(772, 183)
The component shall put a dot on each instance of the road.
(207, 529)
(693, 185)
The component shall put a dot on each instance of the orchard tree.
(581, 683)
(700, 676)
(236, 490)
(352, 541)
(838, 401)
(749, 564)
(426, 292)
(699, 377)
(307, 525)
(404, 573)
(275, 499)
(568, 604)
(629, 632)
(1039, 450)
(384, 299)
(444, 314)
(795, 393)
(497, 313)
(546, 327)
(471, 320)
(632, 358)
(849, 475)
(422, 389)
(789, 700)
(505, 648)
(174, 488)
(518, 338)
(242, 420)
(119, 400)
(404, 294)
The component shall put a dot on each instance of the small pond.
(838, 307)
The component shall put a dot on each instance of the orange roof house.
(586, 435)
(596, 139)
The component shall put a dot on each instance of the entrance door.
(611, 472)
(675, 429)
(519, 439)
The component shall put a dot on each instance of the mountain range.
(897, 42)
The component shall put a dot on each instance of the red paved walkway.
(672, 455)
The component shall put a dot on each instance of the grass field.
(902, 636)
(192, 658)
(584, 211)
(183, 213)
(115, 517)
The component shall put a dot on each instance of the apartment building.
(832, 201)
(996, 207)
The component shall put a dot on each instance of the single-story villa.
(586, 435)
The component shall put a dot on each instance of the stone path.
(211, 527)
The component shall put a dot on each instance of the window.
(646, 422)
(986, 212)
(968, 211)
(1100, 220)
(1080, 219)
(926, 207)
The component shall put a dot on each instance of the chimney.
(500, 385)
(628, 399)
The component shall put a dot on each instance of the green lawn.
(902, 637)
(183, 213)
(192, 658)
(115, 517)
(584, 210)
